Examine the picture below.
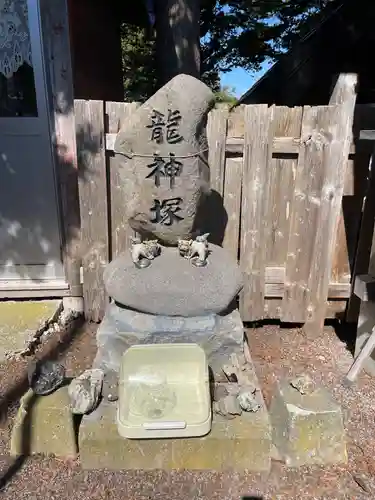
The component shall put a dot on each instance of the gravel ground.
(276, 353)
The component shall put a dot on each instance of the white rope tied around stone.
(130, 155)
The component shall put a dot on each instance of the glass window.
(17, 84)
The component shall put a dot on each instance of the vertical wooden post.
(216, 135)
(232, 204)
(286, 123)
(303, 208)
(339, 124)
(255, 199)
(93, 203)
(343, 93)
(118, 113)
(366, 320)
(55, 34)
(233, 185)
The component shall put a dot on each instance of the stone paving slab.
(20, 320)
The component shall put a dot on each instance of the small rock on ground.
(85, 391)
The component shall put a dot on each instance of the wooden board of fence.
(280, 178)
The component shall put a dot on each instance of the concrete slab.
(20, 320)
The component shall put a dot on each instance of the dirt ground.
(277, 352)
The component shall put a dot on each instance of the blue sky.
(241, 80)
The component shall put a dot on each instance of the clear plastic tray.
(164, 392)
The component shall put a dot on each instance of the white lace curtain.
(15, 48)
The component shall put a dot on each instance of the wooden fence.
(280, 173)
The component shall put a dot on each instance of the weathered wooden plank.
(344, 93)
(110, 137)
(255, 197)
(367, 135)
(286, 121)
(58, 62)
(274, 274)
(117, 114)
(280, 145)
(361, 208)
(335, 291)
(359, 213)
(277, 275)
(326, 229)
(340, 270)
(338, 123)
(273, 308)
(93, 204)
(335, 309)
(216, 137)
(232, 204)
(364, 287)
(233, 185)
(304, 207)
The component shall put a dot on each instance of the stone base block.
(44, 424)
(307, 429)
(121, 328)
(243, 443)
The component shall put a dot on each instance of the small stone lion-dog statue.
(143, 252)
(195, 250)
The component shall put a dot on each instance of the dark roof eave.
(277, 66)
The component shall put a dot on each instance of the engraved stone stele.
(163, 160)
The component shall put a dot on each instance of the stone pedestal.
(44, 424)
(243, 443)
(307, 429)
(121, 328)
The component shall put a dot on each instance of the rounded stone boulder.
(172, 286)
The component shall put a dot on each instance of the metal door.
(30, 246)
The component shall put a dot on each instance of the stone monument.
(172, 286)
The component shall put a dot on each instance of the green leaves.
(234, 33)
(138, 61)
(245, 33)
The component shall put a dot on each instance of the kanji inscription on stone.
(157, 167)
(172, 169)
(165, 211)
(161, 168)
(157, 126)
(173, 122)
(165, 128)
